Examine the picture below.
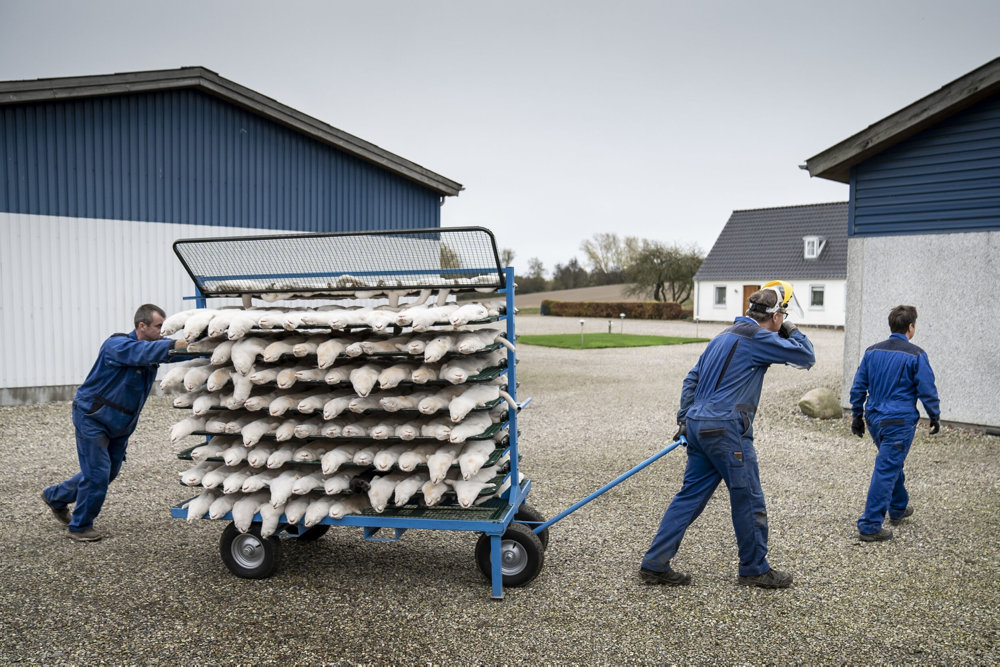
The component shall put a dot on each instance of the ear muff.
(784, 292)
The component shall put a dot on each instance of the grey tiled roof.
(767, 243)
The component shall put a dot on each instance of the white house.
(804, 245)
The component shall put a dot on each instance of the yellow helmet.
(786, 297)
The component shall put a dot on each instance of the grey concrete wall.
(954, 282)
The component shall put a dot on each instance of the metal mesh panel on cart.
(460, 257)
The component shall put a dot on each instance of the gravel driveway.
(156, 591)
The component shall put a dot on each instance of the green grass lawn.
(599, 340)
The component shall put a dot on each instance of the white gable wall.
(831, 313)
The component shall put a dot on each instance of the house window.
(720, 295)
(812, 246)
(816, 293)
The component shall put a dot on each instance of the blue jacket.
(893, 374)
(727, 379)
(119, 383)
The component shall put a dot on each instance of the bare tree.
(664, 272)
(609, 256)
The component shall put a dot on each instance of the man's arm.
(126, 351)
(859, 389)
(796, 350)
(926, 389)
(687, 392)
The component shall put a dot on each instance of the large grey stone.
(820, 403)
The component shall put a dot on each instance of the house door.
(747, 291)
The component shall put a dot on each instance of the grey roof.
(766, 243)
(835, 162)
(207, 81)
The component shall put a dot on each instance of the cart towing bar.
(542, 526)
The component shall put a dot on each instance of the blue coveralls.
(718, 403)
(105, 412)
(892, 375)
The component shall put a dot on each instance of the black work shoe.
(881, 536)
(85, 535)
(668, 578)
(770, 579)
(899, 519)
(61, 513)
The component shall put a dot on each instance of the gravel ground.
(156, 591)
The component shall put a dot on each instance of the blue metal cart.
(513, 536)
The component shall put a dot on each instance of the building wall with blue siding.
(187, 157)
(94, 191)
(924, 230)
(943, 180)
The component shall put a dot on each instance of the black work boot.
(770, 579)
(899, 519)
(61, 513)
(881, 536)
(668, 578)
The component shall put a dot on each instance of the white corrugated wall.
(67, 283)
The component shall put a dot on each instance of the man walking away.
(892, 375)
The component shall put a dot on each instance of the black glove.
(786, 329)
(682, 430)
(858, 426)
(935, 426)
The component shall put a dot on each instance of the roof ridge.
(779, 208)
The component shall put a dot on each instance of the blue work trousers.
(101, 458)
(887, 491)
(718, 450)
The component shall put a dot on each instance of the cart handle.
(673, 445)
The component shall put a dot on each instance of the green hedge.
(636, 310)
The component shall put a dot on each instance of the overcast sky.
(562, 119)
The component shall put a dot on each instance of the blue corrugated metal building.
(924, 230)
(101, 173)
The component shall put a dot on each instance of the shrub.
(636, 310)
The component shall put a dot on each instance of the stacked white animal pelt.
(300, 401)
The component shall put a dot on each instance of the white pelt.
(476, 396)
(338, 456)
(328, 351)
(234, 483)
(439, 462)
(439, 400)
(259, 480)
(269, 518)
(351, 504)
(387, 457)
(214, 478)
(438, 347)
(307, 483)
(308, 346)
(425, 373)
(257, 456)
(391, 376)
(193, 475)
(296, 508)
(407, 488)
(282, 485)
(409, 459)
(318, 510)
(363, 379)
(196, 324)
(255, 430)
(175, 322)
(246, 351)
(403, 401)
(175, 376)
(209, 449)
(222, 505)
(474, 455)
(470, 312)
(439, 429)
(280, 456)
(186, 427)
(245, 508)
(338, 482)
(471, 426)
(197, 507)
(457, 371)
(381, 489)
(195, 377)
(275, 350)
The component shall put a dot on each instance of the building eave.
(200, 78)
(835, 163)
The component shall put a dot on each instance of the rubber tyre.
(528, 513)
(314, 532)
(248, 555)
(522, 555)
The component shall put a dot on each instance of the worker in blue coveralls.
(892, 375)
(105, 413)
(718, 402)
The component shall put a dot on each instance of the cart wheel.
(249, 555)
(521, 555)
(528, 513)
(314, 532)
